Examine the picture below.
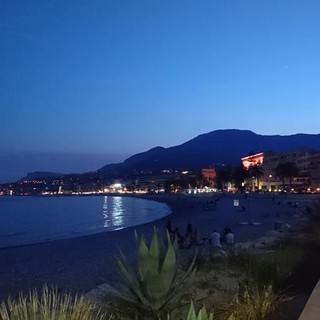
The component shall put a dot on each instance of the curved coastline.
(81, 264)
(84, 224)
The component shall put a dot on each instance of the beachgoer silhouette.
(226, 231)
(179, 237)
(189, 228)
(215, 238)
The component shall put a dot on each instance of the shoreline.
(39, 220)
(80, 264)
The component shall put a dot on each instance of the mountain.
(211, 149)
(41, 175)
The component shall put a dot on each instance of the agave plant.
(202, 314)
(49, 305)
(155, 285)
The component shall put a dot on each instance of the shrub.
(273, 268)
(50, 305)
(254, 302)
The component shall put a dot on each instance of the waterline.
(27, 220)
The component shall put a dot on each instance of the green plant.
(255, 303)
(156, 285)
(50, 305)
(202, 315)
(273, 268)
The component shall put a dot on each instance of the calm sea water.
(26, 220)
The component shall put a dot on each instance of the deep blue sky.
(111, 78)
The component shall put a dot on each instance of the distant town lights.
(116, 185)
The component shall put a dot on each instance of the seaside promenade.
(80, 264)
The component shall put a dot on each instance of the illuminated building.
(209, 175)
(307, 161)
(252, 160)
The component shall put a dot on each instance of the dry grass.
(254, 303)
(49, 305)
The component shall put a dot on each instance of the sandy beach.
(81, 264)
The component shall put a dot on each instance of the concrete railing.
(312, 309)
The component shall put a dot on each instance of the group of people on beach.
(215, 239)
(211, 205)
(185, 241)
(190, 238)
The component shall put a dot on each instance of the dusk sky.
(85, 83)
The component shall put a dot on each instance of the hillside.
(211, 149)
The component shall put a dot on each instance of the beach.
(78, 265)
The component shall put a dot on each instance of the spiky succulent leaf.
(155, 285)
(158, 283)
(162, 249)
(202, 315)
(191, 271)
(169, 267)
(127, 276)
(125, 260)
(125, 263)
(154, 247)
(136, 236)
(187, 277)
(192, 313)
(132, 282)
(146, 263)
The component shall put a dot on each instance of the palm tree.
(239, 175)
(257, 172)
(223, 176)
(286, 170)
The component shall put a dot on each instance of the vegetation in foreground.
(156, 285)
(49, 305)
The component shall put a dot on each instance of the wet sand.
(81, 264)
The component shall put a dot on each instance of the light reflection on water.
(26, 220)
(113, 212)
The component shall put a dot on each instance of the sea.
(29, 220)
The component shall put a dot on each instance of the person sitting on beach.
(204, 241)
(179, 237)
(215, 239)
(229, 238)
(195, 238)
(187, 242)
(227, 235)
(225, 231)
